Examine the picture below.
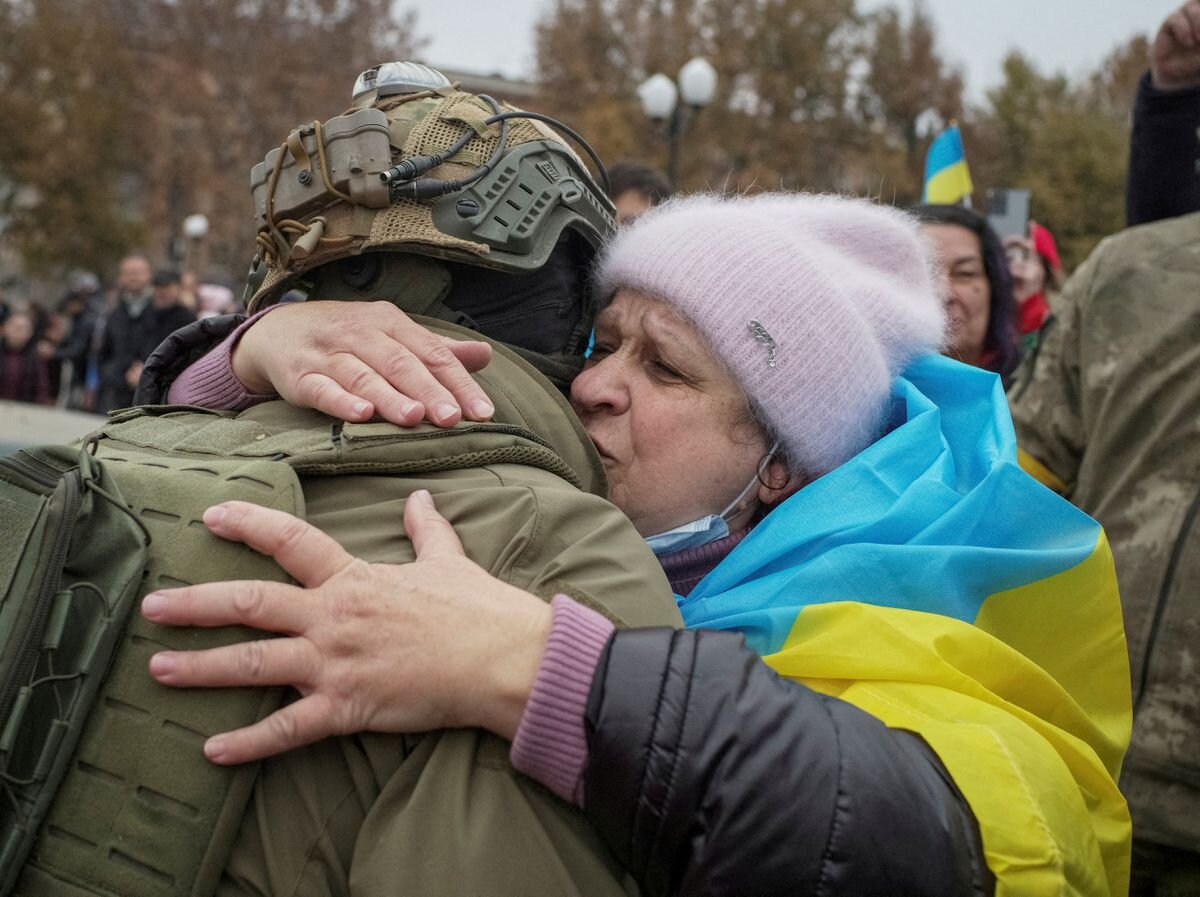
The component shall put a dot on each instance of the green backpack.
(66, 596)
(104, 788)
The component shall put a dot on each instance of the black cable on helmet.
(404, 181)
(601, 170)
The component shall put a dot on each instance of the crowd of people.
(765, 544)
(87, 352)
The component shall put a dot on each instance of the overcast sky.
(1071, 35)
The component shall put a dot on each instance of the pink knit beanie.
(815, 303)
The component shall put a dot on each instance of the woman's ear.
(777, 482)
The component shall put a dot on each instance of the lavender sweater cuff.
(211, 382)
(550, 745)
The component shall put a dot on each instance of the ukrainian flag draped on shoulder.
(932, 583)
(947, 178)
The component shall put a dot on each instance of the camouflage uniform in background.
(1112, 409)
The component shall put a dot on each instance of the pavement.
(23, 424)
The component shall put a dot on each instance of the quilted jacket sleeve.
(710, 774)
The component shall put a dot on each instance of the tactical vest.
(134, 814)
(139, 810)
(98, 792)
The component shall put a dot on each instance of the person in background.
(82, 310)
(119, 364)
(1112, 413)
(980, 307)
(213, 299)
(24, 376)
(1037, 274)
(188, 283)
(634, 188)
(165, 315)
(42, 319)
(53, 335)
(1164, 151)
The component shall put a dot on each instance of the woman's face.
(1025, 265)
(17, 331)
(968, 296)
(668, 421)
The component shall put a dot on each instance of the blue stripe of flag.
(946, 150)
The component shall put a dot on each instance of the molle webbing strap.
(296, 147)
(141, 812)
(361, 220)
(471, 113)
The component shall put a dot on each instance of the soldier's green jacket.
(444, 813)
(1112, 409)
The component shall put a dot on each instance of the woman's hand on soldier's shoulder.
(355, 360)
(434, 644)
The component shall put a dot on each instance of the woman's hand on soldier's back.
(437, 643)
(360, 360)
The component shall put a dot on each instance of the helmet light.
(392, 78)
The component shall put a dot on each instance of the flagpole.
(966, 197)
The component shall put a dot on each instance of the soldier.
(1112, 412)
(482, 211)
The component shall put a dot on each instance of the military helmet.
(416, 180)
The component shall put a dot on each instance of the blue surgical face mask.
(707, 529)
(689, 535)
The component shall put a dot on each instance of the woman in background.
(24, 375)
(1037, 274)
(980, 308)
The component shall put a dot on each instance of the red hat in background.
(1033, 310)
(1044, 245)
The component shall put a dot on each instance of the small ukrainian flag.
(947, 178)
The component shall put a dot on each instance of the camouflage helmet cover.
(319, 197)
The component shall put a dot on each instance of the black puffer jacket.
(709, 774)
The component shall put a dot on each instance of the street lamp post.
(660, 96)
(195, 229)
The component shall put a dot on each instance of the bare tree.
(135, 113)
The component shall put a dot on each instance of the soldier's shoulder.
(1145, 245)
